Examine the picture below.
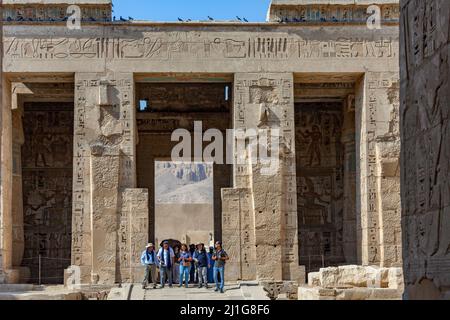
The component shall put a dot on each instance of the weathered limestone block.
(314, 279)
(358, 276)
(368, 294)
(354, 283)
(396, 280)
(306, 293)
(275, 289)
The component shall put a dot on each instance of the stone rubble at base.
(353, 283)
(314, 70)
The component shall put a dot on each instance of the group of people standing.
(184, 265)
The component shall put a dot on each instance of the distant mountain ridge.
(183, 182)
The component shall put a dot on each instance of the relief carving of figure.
(316, 138)
(313, 200)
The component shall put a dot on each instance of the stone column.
(11, 275)
(104, 177)
(349, 214)
(266, 203)
(17, 198)
(378, 147)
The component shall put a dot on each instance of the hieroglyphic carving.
(154, 47)
(320, 13)
(54, 13)
(132, 233)
(237, 222)
(47, 188)
(425, 166)
(320, 183)
(177, 97)
(346, 48)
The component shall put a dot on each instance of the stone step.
(16, 287)
(40, 296)
(233, 291)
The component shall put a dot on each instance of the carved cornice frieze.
(331, 13)
(54, 13)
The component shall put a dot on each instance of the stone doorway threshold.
(236, 291)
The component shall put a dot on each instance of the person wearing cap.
(202, 261)
(166, 258)
(220, 257)
(149, 260)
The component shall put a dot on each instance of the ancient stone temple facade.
(425, 93)
(86, 113)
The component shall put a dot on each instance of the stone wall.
(425, 126)
(320, 183)
(43, 190)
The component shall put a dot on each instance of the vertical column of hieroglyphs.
(133, 233)
(104, 167)
(425, 96)
(289, 216)
(379, 145)
(265, 102)
(237, 233)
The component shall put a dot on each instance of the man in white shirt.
(166, 258)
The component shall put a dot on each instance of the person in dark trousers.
(166, 258)
(149, 260)
(193, 271)
(176, 267)
(202, 261)
(211, 266)
(220, 257)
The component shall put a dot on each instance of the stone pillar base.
(15, 275)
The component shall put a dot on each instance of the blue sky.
(170, 10)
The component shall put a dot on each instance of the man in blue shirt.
(202, 261)
(220, 257)
(149, 260)
(166, 258)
